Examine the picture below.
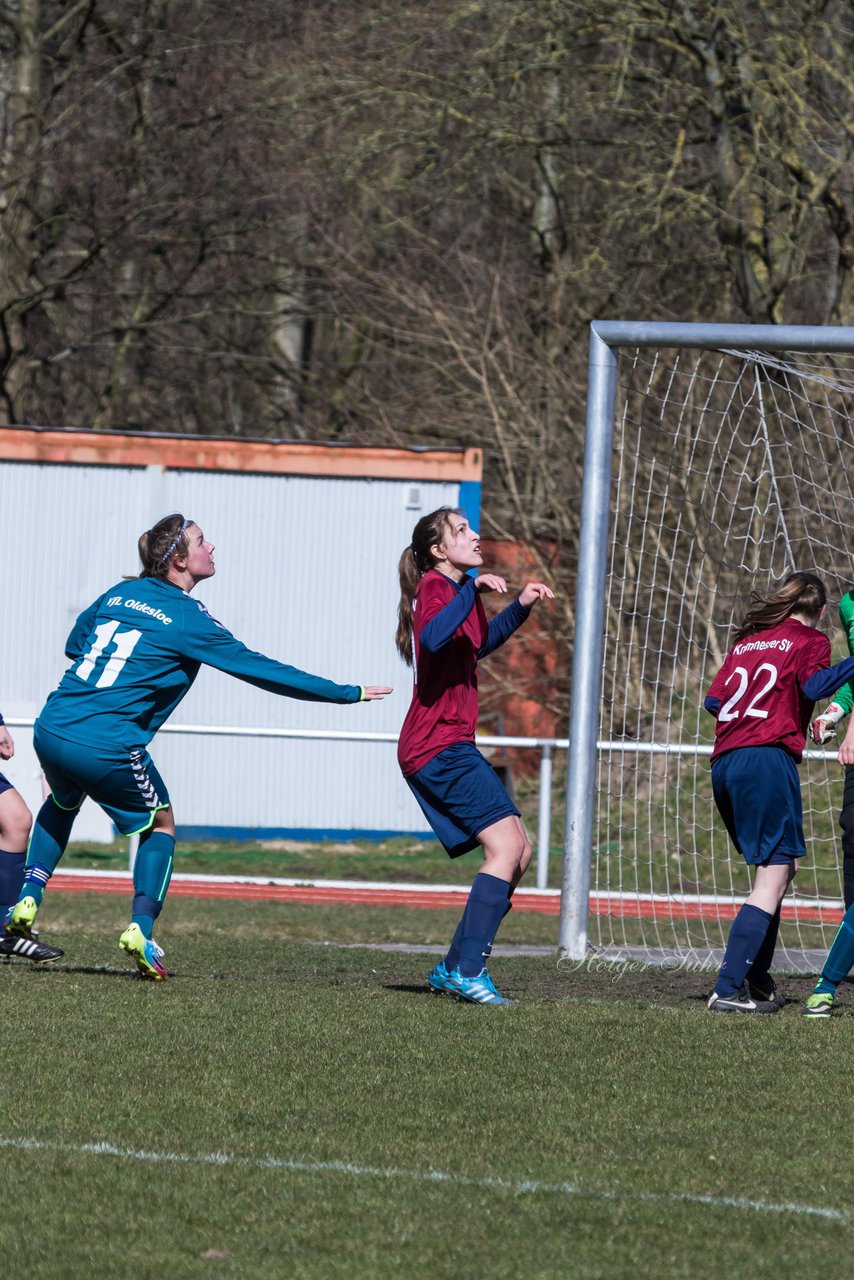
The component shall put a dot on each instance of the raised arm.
(502, 626)
(442, 622)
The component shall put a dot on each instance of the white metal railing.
(546, 747)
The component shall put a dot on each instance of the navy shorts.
(758, 794)
(125, 784)
(460, 795)
(5, 784)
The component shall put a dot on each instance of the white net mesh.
(731, 471)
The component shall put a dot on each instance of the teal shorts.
(125, 784)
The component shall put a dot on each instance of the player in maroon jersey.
(762, 699)
(443, 632)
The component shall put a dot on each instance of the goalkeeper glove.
(823, 728)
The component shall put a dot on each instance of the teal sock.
(152, 872)
(840, 957)
(47, 845)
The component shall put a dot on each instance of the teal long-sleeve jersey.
(134, 655)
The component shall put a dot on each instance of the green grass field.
(284, 1107)
(402, 859)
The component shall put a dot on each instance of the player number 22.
(123, 642)
(728, 710)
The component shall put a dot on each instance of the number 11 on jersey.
(123, 642)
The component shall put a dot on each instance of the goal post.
(715, 456)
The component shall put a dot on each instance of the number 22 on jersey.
(730, 711)
(123, 646)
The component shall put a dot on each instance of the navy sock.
(761, 966)
(452, 959)
(47, 845)
(748, 932)
(11, 879)
(840, 957)
(485, 909)
(152, 872)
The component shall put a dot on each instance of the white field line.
(525, 1187)
(614, 895)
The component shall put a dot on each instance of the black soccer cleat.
(740, 1002)
(764, 989)
(27, 949)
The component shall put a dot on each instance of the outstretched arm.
(204, 640)
(821, 683)
(373, 692)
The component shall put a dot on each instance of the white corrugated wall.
(306, 572)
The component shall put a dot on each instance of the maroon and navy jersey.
(760, 688)
(444, 700)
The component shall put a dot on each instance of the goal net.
(730, 468)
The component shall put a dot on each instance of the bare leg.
(15, 822)
(506, 850)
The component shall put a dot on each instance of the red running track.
(355, 895)
(420, 896)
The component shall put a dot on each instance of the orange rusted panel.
(201, 453)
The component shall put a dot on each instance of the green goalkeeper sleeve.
(845, 696)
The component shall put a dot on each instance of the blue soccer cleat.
(478, 990)
(146, 953)
(439, 979)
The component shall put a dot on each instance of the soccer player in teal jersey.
(822, 730)
(134, 654)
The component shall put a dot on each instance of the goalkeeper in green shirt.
(822, 729)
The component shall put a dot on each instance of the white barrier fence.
(546, 747)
